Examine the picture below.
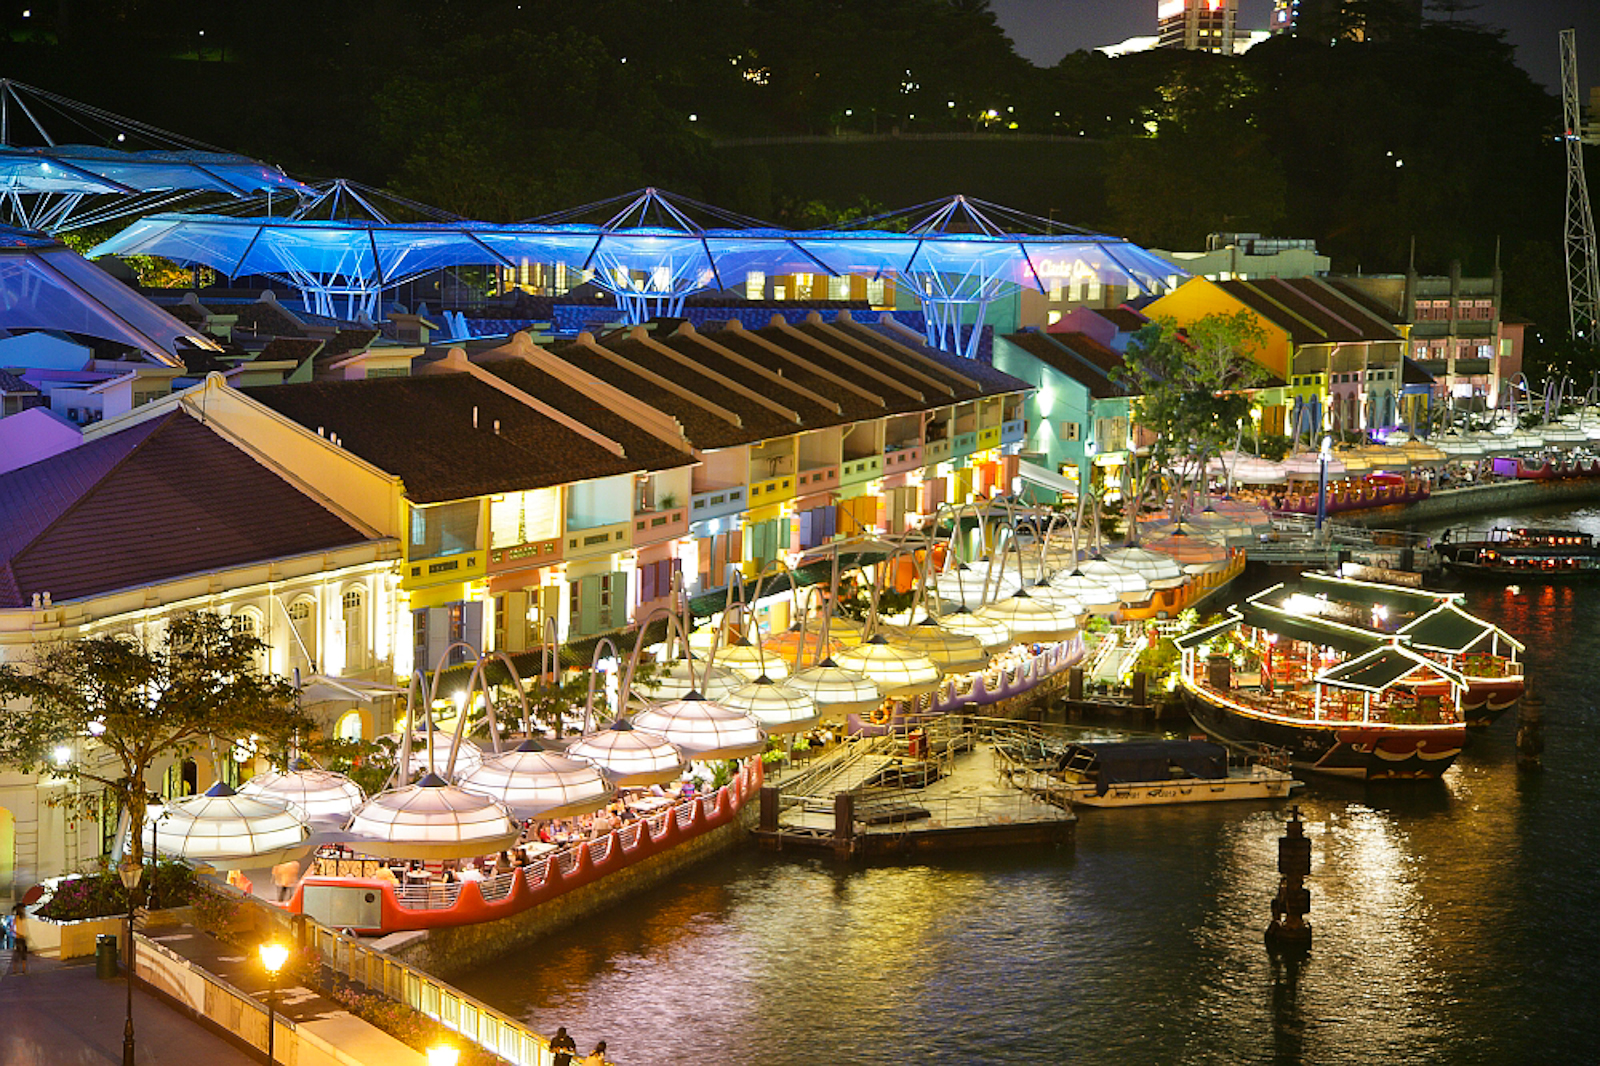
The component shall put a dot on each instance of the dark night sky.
(1045, 30)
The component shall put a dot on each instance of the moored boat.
(1341, 700)
(1521, 554)
(1143, 773)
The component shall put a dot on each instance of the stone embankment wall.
(1486, 500)
(448, 952)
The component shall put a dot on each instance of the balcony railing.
(529, 553)
(652, 527)
(715, 503)
(599, 540)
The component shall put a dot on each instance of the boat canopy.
(1394, 598)
(1449, 629)
(1289, 622)
(1152, 760)
(1196, 637)
(1381, 667)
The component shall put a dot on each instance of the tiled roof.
(159, 500)
(806, 362)
(640, 445)
(299, 349)
(346, 341)
(1311, 313)
(265, 319)
(1075, 355)
(422, 430)
(11, 384)
(1126, 319)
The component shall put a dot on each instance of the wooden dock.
(939, 790)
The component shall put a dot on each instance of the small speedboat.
(1143, 773)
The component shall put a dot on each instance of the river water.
(1454, 922)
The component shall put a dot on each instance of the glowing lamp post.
(273, 956)
(129, 873)
(441, 1055)
(1323, 458)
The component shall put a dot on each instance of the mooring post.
(1141, 688)
(844, 823)
(1530, 731)
(1289, 930)
(1075, 683)
(769, 809)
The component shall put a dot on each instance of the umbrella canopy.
(679, 678)
(751, 661)
(779, 708)
(315, 794)
(897, 671)
(226, 830)
(1190, 548)
(431, 819)
(966, 588)
(704, 730)
(809, 643)
(320, 688)
(1095, 595)
(535, 783)
(1307, 466)
(1150, 564)
(835, 689)
(991, 634)
(1421, 454)
(1125, 581)
(951, 651)
(1030, 619)
(631, 757)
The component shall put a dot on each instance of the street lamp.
(129, 873)
(273, 956)
(1323, 458)
(443, 1055)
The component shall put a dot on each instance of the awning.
(1449, 629)
(1040, 476)
(1381, 667)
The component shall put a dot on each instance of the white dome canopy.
(703, 729)
(951, 651)
(678, 678)
(897, 671)
(630, 757)
(778, 706)
(751, 661)
(1031, 619)
(1125, 581)
(990, 633)
(226, 830)
(1093, 594)
(535, 783)
(835, 689)
(1151, 564)
(316, 794)
(966, 587)
(431, 819)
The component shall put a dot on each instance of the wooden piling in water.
(1289, 930)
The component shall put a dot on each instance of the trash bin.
(917, 742)
(105, 956)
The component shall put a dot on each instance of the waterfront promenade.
(60, 1013)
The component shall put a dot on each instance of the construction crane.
(1583, 271)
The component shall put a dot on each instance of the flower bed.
(101, 895)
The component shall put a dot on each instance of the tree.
(1192, 386)
(201, 683)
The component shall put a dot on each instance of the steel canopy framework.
(651, 255)
(55, 187)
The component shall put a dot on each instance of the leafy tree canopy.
(200, 683)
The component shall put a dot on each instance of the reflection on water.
(1454, 923)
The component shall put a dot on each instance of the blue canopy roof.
(78, 168)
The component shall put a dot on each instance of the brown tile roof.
(421, 429)
(641, 445)
(1075, 355)
(347, 341)
(298, 349)
(1126, 319)
(265, 319)
(159, 500)
(1311, 313)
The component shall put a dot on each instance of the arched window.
(249, 621)
(302, 651)
(349, 726)
(354, 604)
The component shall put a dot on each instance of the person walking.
(562, 1047)
(597, 1057)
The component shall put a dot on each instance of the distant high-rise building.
(1198, 25)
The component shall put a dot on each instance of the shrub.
(101, 895)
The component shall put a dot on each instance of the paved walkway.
(60, 1014)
